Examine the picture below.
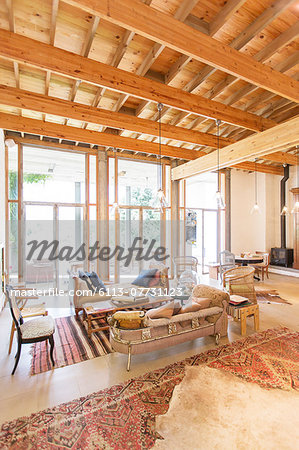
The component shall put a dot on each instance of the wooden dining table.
(245, 260)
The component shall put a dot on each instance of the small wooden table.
(242, 312)
(92, 312)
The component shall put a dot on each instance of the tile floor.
(23, 394)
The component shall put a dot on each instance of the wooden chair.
(183, 263)
(34, 330)
(240, 281)
(264, 266)
(27, 311)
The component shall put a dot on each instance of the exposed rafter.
(283, 136)
(158, 26)
(29, 51)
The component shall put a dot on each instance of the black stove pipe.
(283, 181)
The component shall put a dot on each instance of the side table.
(242, 312)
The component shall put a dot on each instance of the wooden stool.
(249, 311)
(241, 313)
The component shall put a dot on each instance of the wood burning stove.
(282, 257)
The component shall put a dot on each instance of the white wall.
(259, 232)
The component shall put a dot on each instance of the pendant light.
(219, 199)
(160, 193)
(255, 209)
(296, 205)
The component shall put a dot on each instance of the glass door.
(39, 271)
(209, 239)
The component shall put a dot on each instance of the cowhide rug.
(212, 409)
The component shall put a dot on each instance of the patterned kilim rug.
(72, 345)
(123, 416)
(264, 295)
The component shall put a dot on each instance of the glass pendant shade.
(296, 208)
(219, 200)
(284, 211)
(255, 209)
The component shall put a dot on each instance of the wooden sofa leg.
(129, 358)
(217, 338)
(77, 312)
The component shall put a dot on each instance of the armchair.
(240, 281)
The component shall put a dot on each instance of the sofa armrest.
(216, 296)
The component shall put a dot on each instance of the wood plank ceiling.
(90, 72)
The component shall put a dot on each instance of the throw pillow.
(202, 301)
(145, 277)
(177, 307)
(191, 306)
(96, 282)
(83, 276)
(155, 280)
(163, 312)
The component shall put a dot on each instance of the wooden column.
(228, 209)
(102, 209)
(295, 192)
(175, 216)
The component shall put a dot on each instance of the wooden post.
(228, 209)
(21, 242)
(175, 216)
(102, 209)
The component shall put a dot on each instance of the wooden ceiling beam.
(181, 13)
(20, 98)
(282, 158)
(263, 55)
(159, 27)
(44, 56)
(264, 168)
(282, 136)
(34, 126)
(225, 14)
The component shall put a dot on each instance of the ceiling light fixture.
(255, 209)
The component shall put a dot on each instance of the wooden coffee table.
(92, 312)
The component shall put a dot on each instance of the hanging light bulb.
(218, 196)
(255, 209)
(284, 211)
(160, 193)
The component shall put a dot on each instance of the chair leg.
(12, 332)
(51, 340)
(17, 355)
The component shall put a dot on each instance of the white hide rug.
(213, 409)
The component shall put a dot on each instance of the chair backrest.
(14, 309)
(226, 258)
(266, 257)
(183, 263)
(239, 281)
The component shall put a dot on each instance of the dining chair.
(27, 311)
(183, 263)
(240, 281)
(264, 266)
(33, 330)
(226, 261)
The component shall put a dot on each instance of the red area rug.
(123, 416)
(72, 345)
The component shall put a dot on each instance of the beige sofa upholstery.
(82, 295)
(160, 333)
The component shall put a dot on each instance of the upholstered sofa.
(81, 294)
(161, 333)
